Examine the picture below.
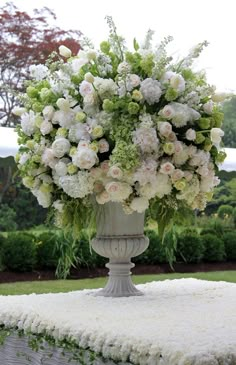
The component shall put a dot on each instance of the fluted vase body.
(119, 238)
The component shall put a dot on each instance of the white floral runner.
(178, 322)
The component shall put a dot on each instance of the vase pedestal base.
(119, 283)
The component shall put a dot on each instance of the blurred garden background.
(31, 248)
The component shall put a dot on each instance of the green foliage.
(7, 218)
(190, 247)
(225, 211)
(47, 257)
(229, 239)
(214, 248)
(155, 253)
(2, 239)
(19, 252)
(229, 126)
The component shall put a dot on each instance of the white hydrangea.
(151, 90)
(61, 168)
(139, 204)
(163, 185)
(64, 118)
(146, 172)
(77, 186)
(106, 87)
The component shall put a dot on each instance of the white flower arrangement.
(131, 127)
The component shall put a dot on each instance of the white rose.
(167, 112)
(190, 134)
(167, 168)
(118, 191)
(134, 80)
(86, 88)
(115, 172)
(103, 146)
(165, 128)
(177, 175)
(208, 107)
(46, 127)
(216, 134)
(65, 52)
(60, 147)
(139, 204)
(103, 197)
(84, 158)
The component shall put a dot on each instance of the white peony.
(61, 168)
(118, 191)
(46, 127)
(139, 204)
(151, 90)
(60, 147)
(84, 158)
(146, 139)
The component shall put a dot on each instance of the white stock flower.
(28, 123)
(84, 158)
(60, 147)
(38, 72)
(86, 88)
(65, 51)
(151, 90)
(139, 204)
(216, 134)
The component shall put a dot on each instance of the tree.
(229, 125)
(26, 40)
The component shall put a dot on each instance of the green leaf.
(136, 45)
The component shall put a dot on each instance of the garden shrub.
(214, 249)
(2, 240)
(7, 218)
(190, 247)
(155, 253)
(229, 239)
(47, 254)
(19, 252)
(225, 211)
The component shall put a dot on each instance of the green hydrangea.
(171, 94)
(125, 155)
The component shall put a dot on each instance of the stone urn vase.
(119, 237)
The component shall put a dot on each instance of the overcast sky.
(188, 21)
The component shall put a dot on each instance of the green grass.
(56, 286)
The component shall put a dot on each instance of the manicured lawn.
(56, 286)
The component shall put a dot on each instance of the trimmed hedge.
(214, 248)
(190, 247)
(19, 252)
(229, 239)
